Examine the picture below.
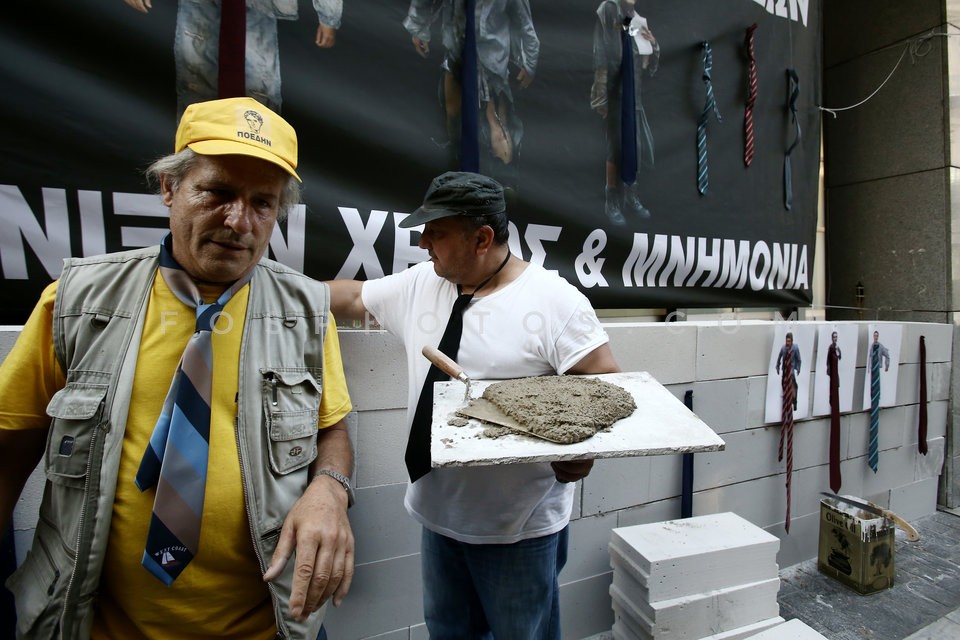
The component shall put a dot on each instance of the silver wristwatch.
(342, 479)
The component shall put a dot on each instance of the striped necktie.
(786, 424)
(175, 461)
(873, 456)
(751, 96)
(793, 92)
(709, 105)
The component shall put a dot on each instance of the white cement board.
(662, 424)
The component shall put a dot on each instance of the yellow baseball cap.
(239, 126)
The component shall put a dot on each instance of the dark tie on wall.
(710, 104)
(873, 454)
(175, 461)
(628, 107)
(786, 424)
(231, 64)
(470, 93)
(751, 96)
(793, 92)
(922, 422)
(833, 373)
(417, 455)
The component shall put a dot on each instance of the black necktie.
(922, 422)
(470, 93)
(628, 107)
(833, 372)
(417, 455)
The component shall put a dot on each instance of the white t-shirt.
(538, 324)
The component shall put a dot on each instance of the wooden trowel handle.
(444, 363)
(912, 534)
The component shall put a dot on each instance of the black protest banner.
(91, 99)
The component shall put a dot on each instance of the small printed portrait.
(791, 355)
(254, 120)
(882, 359)
(836, 367)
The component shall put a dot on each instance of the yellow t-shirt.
(221, 592)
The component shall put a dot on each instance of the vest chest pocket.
(291, 406)
(76, 411)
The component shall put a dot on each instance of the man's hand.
(648, 35)
(572, 470)
(143, 6)
(318, 530)
(525, 79)
(422, 47)
(326, 36)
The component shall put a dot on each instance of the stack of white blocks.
(710, 577)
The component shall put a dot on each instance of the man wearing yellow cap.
(186, 402)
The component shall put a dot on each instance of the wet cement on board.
(564, 409)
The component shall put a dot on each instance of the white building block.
(638, 587)
(672, 557)
(704, 614)
(790, 630)
(667, 351)
(733, 349)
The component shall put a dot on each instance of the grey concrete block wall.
(725, 365)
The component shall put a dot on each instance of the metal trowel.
(479, 408)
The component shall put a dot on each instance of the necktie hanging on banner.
(417, 455)
(175, 461)
(231, 57)
(833, 373)
(786, 424)
(922, 420)
(873, 454)
(793, 92)
(751, 96)
(470, 93)
(628, 107)
(710, 104)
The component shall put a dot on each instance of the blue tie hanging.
(793, 91)
(710, 104)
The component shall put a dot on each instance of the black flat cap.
(458, 193)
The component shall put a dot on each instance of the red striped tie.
(751, 97)
(786, 426)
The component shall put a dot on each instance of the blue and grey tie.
(873, 456)
(710, 104)
(175, 461)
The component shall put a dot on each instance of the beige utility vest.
(98, 321)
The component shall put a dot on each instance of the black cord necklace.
(489, 278)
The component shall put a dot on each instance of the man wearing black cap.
(494, 538)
